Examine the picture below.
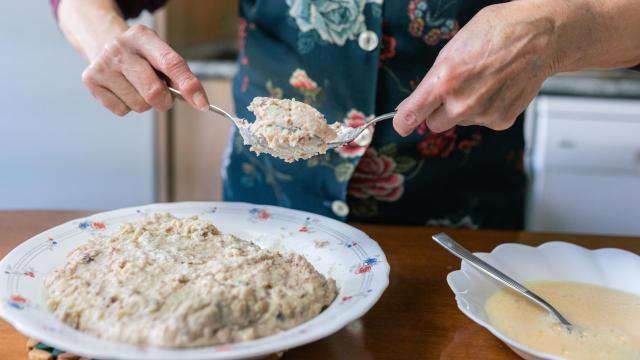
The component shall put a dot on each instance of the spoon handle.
(380, 118)
(178, 95)
(458, 250)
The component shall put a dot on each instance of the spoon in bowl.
(458, 250)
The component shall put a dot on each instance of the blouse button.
(340, 208)
(368, 40)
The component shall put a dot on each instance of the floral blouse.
(352, 59)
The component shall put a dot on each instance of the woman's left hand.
(487, 74)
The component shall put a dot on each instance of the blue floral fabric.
(352, 59)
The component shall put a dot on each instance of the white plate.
(354, 260)
(553, 261)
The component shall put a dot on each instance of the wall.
(58, 147)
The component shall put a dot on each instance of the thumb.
(414, 110)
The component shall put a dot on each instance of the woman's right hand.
(124, 75)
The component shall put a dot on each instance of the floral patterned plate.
(337, 250)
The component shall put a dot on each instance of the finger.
(146, 82)
(467, 122)
(162, 57)
(110, 100)
(440, 120)
(416, 108)
(501, 124)
(122, 88)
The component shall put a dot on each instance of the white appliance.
(584, 162)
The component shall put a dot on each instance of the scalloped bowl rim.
(519, 348)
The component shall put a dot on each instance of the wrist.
(568, 20)
(113, 27)
(536, 23)
(90, 25)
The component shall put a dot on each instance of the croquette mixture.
(289, 129)
(174, 282)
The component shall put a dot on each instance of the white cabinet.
(584, 165)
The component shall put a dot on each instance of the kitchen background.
(59, 149)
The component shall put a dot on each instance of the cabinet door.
(199, 140)
(585, 165)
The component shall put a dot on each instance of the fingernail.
(409, 119)
(200, 100)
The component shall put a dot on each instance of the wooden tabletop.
(416, 318)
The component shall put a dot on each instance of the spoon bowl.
(348, 134)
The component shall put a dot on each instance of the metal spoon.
(177, 94)
(348, 134)
(458, 250)
(249, 137)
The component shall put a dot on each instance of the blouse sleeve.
(129, 8)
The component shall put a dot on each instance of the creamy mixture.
(607, 321)
(180, 282)
(288, 129)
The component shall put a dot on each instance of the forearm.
(595, 33)
(90, 25)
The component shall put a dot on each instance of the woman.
(441, 161)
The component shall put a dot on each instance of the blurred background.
(59, 149)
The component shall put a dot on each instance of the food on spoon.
(180, 283)
(606, 320)
(289, 129)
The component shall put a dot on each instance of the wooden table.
(416, 318)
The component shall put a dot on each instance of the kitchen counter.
(595, 83)
(592, 83)
(416, 318)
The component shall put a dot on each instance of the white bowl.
(553, 261)
(335, 249)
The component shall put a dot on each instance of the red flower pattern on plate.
(17, 302)
(375, 177)
(257, 214)
(357, 147)
(263, 215)
(438, 144)
(363, 269)
(98, 225)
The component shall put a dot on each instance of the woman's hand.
(124, 76)
(487, 74)
(128, 67)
